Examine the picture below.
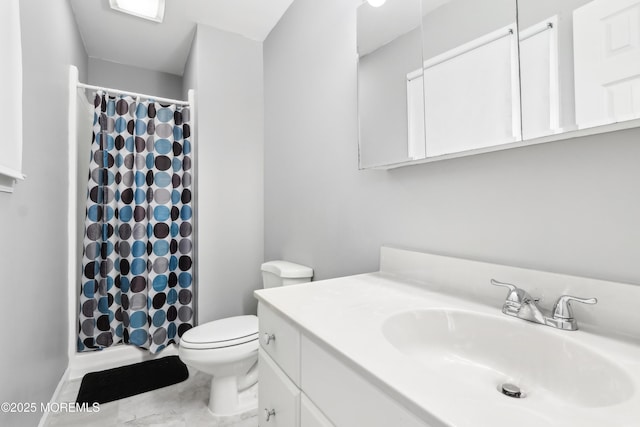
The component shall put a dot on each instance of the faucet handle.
(515, 298)
(515, 294)
(562, 309)
(504, 285)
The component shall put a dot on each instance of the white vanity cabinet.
(281, 402)
(279, 371)
(418, 344)
(303, 384)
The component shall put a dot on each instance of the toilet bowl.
(228, 348)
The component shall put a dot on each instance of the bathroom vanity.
(345, 395)
(423, 342)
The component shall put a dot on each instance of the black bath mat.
(125, 381)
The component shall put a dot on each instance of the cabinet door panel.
(346, 397)
(278, 397)
(281, 341)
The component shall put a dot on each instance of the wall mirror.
(580, 64)
(389, 47)
(492, 75)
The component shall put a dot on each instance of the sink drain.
(511, 390)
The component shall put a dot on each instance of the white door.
(607, 61)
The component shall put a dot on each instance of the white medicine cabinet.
(447, 78)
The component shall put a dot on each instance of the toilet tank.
(283, 273)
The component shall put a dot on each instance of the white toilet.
(228, 348)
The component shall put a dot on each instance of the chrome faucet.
(521, 305)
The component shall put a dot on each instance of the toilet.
(228, 348)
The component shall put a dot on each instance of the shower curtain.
(137, 281)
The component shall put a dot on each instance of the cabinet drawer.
(310, 415)
(278, 397)
(281, 341)
(346, 397)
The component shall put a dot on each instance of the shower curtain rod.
(141, 95)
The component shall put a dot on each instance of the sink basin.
(484, 350)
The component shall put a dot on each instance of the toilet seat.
(229, 332)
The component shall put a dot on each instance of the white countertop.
(345, 315)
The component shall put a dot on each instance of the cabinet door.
(278, 397)
(346, 397)
(310, 415)
(281, 340)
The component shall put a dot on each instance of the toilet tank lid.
(287, 269)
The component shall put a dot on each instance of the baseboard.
(55, 397)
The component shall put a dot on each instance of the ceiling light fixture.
(376, 3)
(152, 10)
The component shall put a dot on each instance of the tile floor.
(179, 405)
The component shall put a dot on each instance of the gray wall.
(33, 261)
(226, 72)
(140, 80)
(569, 207)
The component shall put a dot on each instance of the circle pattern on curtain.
(137, 282)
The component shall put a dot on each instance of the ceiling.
(121, 38)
